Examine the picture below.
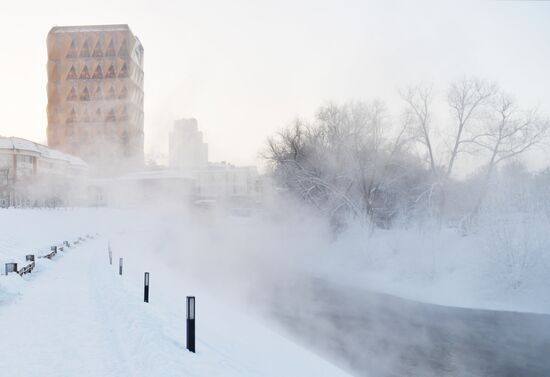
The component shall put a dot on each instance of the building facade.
(226, 182)
(187, 148)
(95, 95)
(33, 174)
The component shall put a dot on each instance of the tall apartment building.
(95, 95)
(187, 149)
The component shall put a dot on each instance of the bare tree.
(419, 100)
(466, 98)
(345, 162)
(509, 132)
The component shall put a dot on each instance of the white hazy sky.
(245, 69)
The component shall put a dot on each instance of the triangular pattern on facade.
(98, 93)
(123, 50)
(72, 53)
(72, 74)
(85, 74)
(72, 95)
(85, 117)
(85, 95)
(98, 73)
(85, 50)
(110, 116)
(111, 49)
(98, 50)
(72, 116)
(111, 73)
(111, 93)
(123, 93)
(123, 71)
(123, 114)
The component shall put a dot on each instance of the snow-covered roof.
(89, 28)
(18, 144)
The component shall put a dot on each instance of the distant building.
(32, 173)
(95, 95)
(226, 182)
(187, 149)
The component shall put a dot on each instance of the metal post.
(110, 253)
(191, 323)
(146, 288)
(120, 266)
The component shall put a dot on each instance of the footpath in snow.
(77, 317)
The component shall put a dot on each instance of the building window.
(110, 116)
(98, 73)
(111, 93)
(71, 54)
(110, 49)
(111, 74)
(85, 74)
(123, 71)
(85, 95)
(85, 51)
(72, 74)
(123, 51)
(123, 114)
(98, 50)
(123, 93)
(72, 95)
(98, 93)
(72, 116)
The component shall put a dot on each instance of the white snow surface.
(75, 316)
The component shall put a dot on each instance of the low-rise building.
(33, 174)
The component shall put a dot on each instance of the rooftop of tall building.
(89, 28)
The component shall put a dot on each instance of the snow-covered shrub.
(347, 163)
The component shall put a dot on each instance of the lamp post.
(191, 323)
(146, 288)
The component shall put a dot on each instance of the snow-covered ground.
(75, 316)
(498, 269)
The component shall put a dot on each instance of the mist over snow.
(340, 188)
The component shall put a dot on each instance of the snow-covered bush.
(347, 163)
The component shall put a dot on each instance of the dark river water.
(371, 334)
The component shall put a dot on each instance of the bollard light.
(191, 323)
(146, 288)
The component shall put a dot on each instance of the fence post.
(120, 266)
(146, 288)
(191, 323)
(11, 267)
(110, 253)
(53, 248)
(29, 258)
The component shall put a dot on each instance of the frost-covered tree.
(348, 162)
